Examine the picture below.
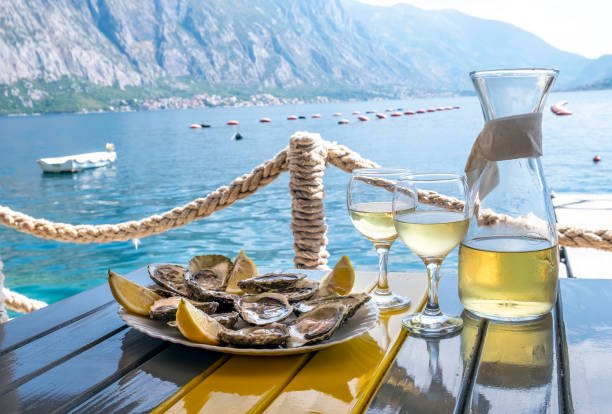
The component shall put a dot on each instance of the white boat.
(79, 162)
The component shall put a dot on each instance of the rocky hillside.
(82, 53)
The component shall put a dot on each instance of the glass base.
(432, 326)
(390, 301)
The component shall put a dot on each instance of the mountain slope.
(92, 51)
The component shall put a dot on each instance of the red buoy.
(292, 117)
(596, 158)
(233, 122)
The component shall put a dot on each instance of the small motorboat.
(337, 114)
(363, 118)
(233, 122)
(343, 121)
(302, 117)
(420, 111)
(79, 162)
(315, 116)
(381, 116)
(409, 113)
(265, 120)
(396, 114)
(237, 136)
(198, 126)
(292, 118)
(559, 108)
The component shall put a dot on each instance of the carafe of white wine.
(508, 261)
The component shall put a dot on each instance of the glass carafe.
(508, 261)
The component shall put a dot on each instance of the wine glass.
(431, 215)
(369, 201)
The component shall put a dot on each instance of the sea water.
(163, 164)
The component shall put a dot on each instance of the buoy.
(596, 158)
(420, 111)
(381, 116)
(265, 120)
(559, 108)
(363, 118)
(396, 114)
(337, 114)
(292, 118)
(356, 113)
(233, 122)
(195, 126)
(343, 121)
(316, 116)
(409, 113)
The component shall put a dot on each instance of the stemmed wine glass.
(431, 215)
(369, 200)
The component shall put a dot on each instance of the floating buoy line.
(393, 113)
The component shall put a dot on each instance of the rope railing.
(306, 159)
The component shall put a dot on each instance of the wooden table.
(78, 356)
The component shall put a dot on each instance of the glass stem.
(433, 278)
(382, 286)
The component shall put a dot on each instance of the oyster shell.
(169, 276)
(263, 308)
(210, 272)
(274, 334)
(165, 309)
(197, 292)
(227, 319)
(353, 302)
(303, 290)
(270, 282)
(164, 293)
(316, 325)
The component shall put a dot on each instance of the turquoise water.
(162, 164)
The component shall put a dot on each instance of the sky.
(583, 26)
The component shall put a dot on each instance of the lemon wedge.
(244, 268)
(339, 281)
(133, 297)
(196, 325)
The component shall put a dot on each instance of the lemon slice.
(244, 268)
(196, 325)
(133, 297)
(339, 281)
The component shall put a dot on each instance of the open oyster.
(270, 282)
(256, 336)
(227, 319)
(210, 272)
(165, 309)
(316, 325)
(263, 308)
(303, 290)
(197, 292)
(353, 302)
(169, 276)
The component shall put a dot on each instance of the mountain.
(597, 74)
(73, 54)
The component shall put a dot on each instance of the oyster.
(165, 309)
(227, 319)
(210, 272)
(164, 293)
(303, 290)
(353, 302)
(316, 325)
(271, 282)
(169, 276)
(197, 292)
(263, 308)
(256, 336)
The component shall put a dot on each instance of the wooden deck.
(78, 356)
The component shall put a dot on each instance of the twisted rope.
(305, 159)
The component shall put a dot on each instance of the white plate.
(364, 319)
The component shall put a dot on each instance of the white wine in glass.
(369, 202)
(431, 232)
